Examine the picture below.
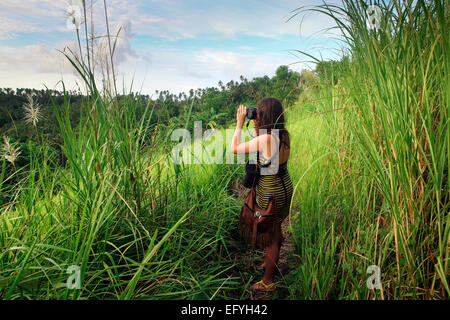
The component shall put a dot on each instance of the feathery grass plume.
(10, 152)
(73, 15)
(32, 111)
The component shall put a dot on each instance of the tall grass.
(120, 210)
(381, 197)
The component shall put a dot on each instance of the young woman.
(269, 117)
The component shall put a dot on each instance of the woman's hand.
(240, 115)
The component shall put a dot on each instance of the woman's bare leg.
(263, 265)
(272, 255)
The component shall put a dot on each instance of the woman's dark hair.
(269, 116)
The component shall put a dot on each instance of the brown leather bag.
(254, 220)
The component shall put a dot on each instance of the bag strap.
(284, 187)
(257, 168)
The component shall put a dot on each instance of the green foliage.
(374, 184)
(331, 71)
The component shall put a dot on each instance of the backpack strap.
(282, 182)
(256, 177)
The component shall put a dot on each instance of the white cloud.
(38, 65)
(179, 71)
(33, 7)
(34, 66)
(246, 48)
(175, 20)
(9, 28)
(33, 58)
(123, 49)
(220, 20)
(29, 16)
(154, 68)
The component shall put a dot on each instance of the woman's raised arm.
(256, 144)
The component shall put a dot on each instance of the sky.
(174, 45)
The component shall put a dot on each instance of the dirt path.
(248, 261)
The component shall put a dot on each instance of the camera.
(251, 113)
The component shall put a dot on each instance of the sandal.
(261, 286)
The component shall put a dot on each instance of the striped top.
(272, 185)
